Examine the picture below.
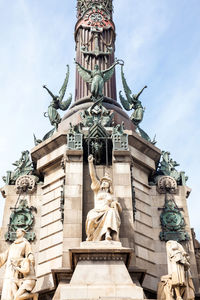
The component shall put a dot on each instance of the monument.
(95, 210)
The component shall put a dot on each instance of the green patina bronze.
(58, 103)
(97, 142)
(75, 137)
(145, 136)
(167, 167)
(120, 139)
(84, 5)
(97, 113)
(96, 37)
(97, 78)
(24, 166)
(172, 222)
(132, 101)
(21, 217)
(46, 136)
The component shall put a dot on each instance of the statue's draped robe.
(178, 269)
(102, 217)
(165, 291)
(97, 83)
(175, 265)
(54, 116)
(17, 250)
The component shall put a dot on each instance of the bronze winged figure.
(97, 78)
(132, 101)
(58, 103)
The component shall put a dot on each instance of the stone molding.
(100, 254)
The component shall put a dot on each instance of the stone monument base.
(100, 273)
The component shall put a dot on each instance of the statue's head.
(106, 183)
(138, 104)
(96, 67)
(20, 233)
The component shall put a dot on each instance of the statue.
(25, 267)
(103, 221)
(167, 168)
(132, 102)
(18, 251)
(24, 166)
(58, 103)
(177, 285)
(196, 249)
(97, 78)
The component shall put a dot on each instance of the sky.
(159, 41)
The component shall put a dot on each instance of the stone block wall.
(73, 207)
(51, 231)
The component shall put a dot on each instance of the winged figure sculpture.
(132, 101)
(58, 103)
(97, 78)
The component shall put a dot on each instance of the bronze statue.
(58, 103)
(24, 166)
(97, 78)
(132, 101)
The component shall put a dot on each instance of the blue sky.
(159, 41)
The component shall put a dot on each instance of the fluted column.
(95, 43)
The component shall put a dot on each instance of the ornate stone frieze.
(26, 184)
(95, 6)
(166, 184)
(102, 257)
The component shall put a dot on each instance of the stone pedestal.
(100, 272)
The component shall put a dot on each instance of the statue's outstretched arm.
(138, 95)
(84, 69)
(50, 93)
(117, 62)
(110, 68)
(95, 182)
